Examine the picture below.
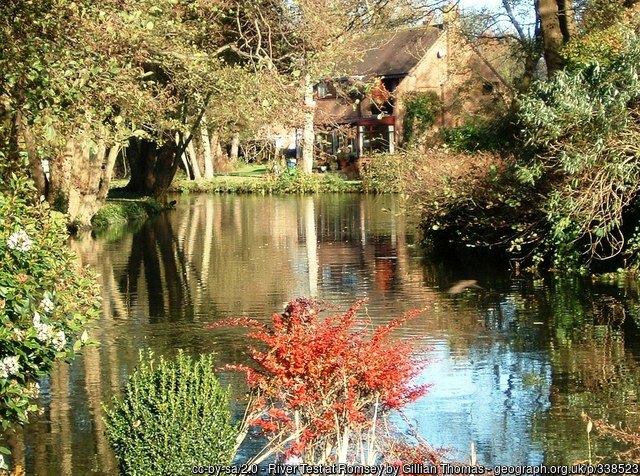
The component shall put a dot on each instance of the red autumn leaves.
(319, 376)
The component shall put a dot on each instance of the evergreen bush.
(174, 415)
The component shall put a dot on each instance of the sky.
(494, 4)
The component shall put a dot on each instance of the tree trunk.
(216, 150)
(35, 164)
(206, 148)
(192, 157)
(185, 161)
(19, 130)
(152, 167)
(567, 19)
(556, 22)
(235, 147)
(308, 134)
(110, 162)
(80, 178)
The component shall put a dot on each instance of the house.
(364, 112)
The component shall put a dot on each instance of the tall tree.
(532, 28)
(83, 77)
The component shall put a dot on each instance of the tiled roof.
(395, 53)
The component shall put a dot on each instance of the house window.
(375, 139)
(336, 144)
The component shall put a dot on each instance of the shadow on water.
(513, 362)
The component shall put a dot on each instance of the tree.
(69, 77)
(557, 25)
(531, 29)
(83, 78)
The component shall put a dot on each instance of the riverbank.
(124, 208)
(123, 211)
(257, 179)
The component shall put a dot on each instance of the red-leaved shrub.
(321, 383)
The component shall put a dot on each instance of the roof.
(395, 53)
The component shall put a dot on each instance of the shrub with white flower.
(9, 366)
(19, 241)
(47, 304)
(59, 340)
(46, 299)
(43, 330)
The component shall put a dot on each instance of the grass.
(120, 212)
(256, 179)
(124, 208)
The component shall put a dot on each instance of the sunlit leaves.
(320, 376)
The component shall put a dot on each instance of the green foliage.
(600, 46)
(294, 180)
(290, 181)
(46, 299)
(584, 127)
(479, 134)
(563, 200)
(122, 212)
(601, 14)
(173, 415)
(421, 109)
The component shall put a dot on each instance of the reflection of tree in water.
(156, 252)
(596, 365)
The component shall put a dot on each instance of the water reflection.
(513, 365)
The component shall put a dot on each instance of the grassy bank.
(121, 211)
(256, 179)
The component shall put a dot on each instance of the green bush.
(173, 415)
(46, 299)
(568, 195)
(289, 181)
(480, 135)
(583, 126)
(122, 212)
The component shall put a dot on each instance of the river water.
(512, 365)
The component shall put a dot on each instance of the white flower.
(9, 366)
(19, 241)
(44, 331)
(46, 304)
(18, 334)
(59, 340)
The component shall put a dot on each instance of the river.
(512, 365)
